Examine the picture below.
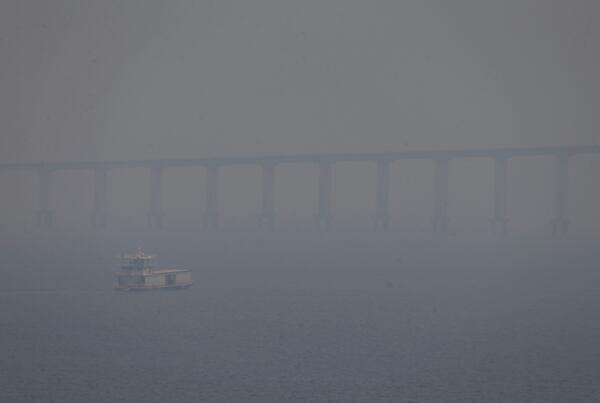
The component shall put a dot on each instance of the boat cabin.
(138, 272)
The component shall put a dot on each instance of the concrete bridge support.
(211, 215)
(560, 223)
(382, 196)
(324, 218)
(155, 213)
(440, 207)
(500, 219)
(100, 211)
(45, 215)
(266, 217)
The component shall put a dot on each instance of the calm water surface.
(375, 325)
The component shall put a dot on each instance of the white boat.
(138, 272)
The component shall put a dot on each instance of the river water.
(318, 318)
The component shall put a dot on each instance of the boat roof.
(154, 272)
(166, 271)
(138, 255)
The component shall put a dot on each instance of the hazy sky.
(136, 79)
(298, 314)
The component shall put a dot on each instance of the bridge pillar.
(324, 217)
(100, 211)
(211, 215)
(381, 219)
(44, 214)
(440, 207)
(500, 219)
(266, 218)
(560, 223)
(155, 213)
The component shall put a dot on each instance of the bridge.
(325, 162)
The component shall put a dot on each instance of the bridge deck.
(305, 158)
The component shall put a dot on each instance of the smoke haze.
(295, 314)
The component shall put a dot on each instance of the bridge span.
(325, 162)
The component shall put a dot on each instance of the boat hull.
(150, 288)
(154, 280)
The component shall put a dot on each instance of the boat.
(138, 272)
